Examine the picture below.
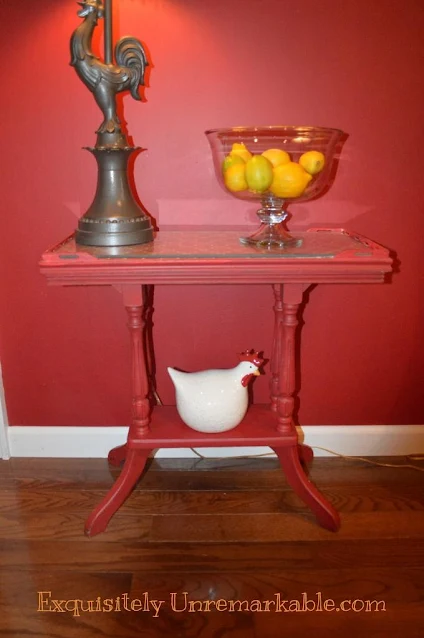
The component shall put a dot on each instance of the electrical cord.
(366, 460)
(318, 447)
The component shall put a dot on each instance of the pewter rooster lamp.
(114, 218)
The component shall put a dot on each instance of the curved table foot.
(134, 465)
(326, 515)
(306, 453)
(117, 455)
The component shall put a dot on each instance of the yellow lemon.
(259, 174)
(276, 156)
(230, 160)
(290, 180)
(312, 161)
(235, 179)
(241, 151)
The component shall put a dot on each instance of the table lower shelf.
(259, 427)
(167, 430)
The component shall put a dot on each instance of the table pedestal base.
(257, 429)
(270, 426)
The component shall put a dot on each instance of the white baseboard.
(95, 442)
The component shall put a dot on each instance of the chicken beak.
(257, 373)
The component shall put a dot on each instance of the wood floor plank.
(404, 586)
(285, 527)
(70, 527)
(97, 555)
(399, 622)
(182, 610)
(230, 530)
(345, 499)
(325, 472)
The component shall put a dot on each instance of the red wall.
(354, 65)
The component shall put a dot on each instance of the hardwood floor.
(222, 536)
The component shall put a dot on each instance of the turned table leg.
(135, 459)
(283, 385)
(276, 354)
(137, 312)
(288, 300)
(283, 360)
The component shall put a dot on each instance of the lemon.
(276, 156)
(241, 151)
(290, 180)
(235, 179)
(312, 161)
(259, 173)
(230, 160)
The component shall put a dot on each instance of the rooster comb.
(97, 4)
(252, 356)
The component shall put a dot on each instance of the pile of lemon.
(273, 170)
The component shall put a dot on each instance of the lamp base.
(114, 218)
(114, 232)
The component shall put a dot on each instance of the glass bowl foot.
(271, 236)
(271, 233)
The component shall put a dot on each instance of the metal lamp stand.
(114, 217)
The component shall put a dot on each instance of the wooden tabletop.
(215, 256)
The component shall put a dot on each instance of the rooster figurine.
(215, 400)
(106, 80)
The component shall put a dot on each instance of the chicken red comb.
(252, 356)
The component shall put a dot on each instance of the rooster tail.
(179, 378)
(173, 374)
(129, 53)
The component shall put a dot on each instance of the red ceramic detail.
(245, 380)
(252, 356)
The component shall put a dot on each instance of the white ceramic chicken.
(215, 400)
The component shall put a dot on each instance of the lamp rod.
(108, 31)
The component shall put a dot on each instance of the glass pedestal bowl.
(273, 165)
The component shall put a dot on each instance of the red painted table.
(217, 257)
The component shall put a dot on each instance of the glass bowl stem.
(272, 232)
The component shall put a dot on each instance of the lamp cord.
(418, 457)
